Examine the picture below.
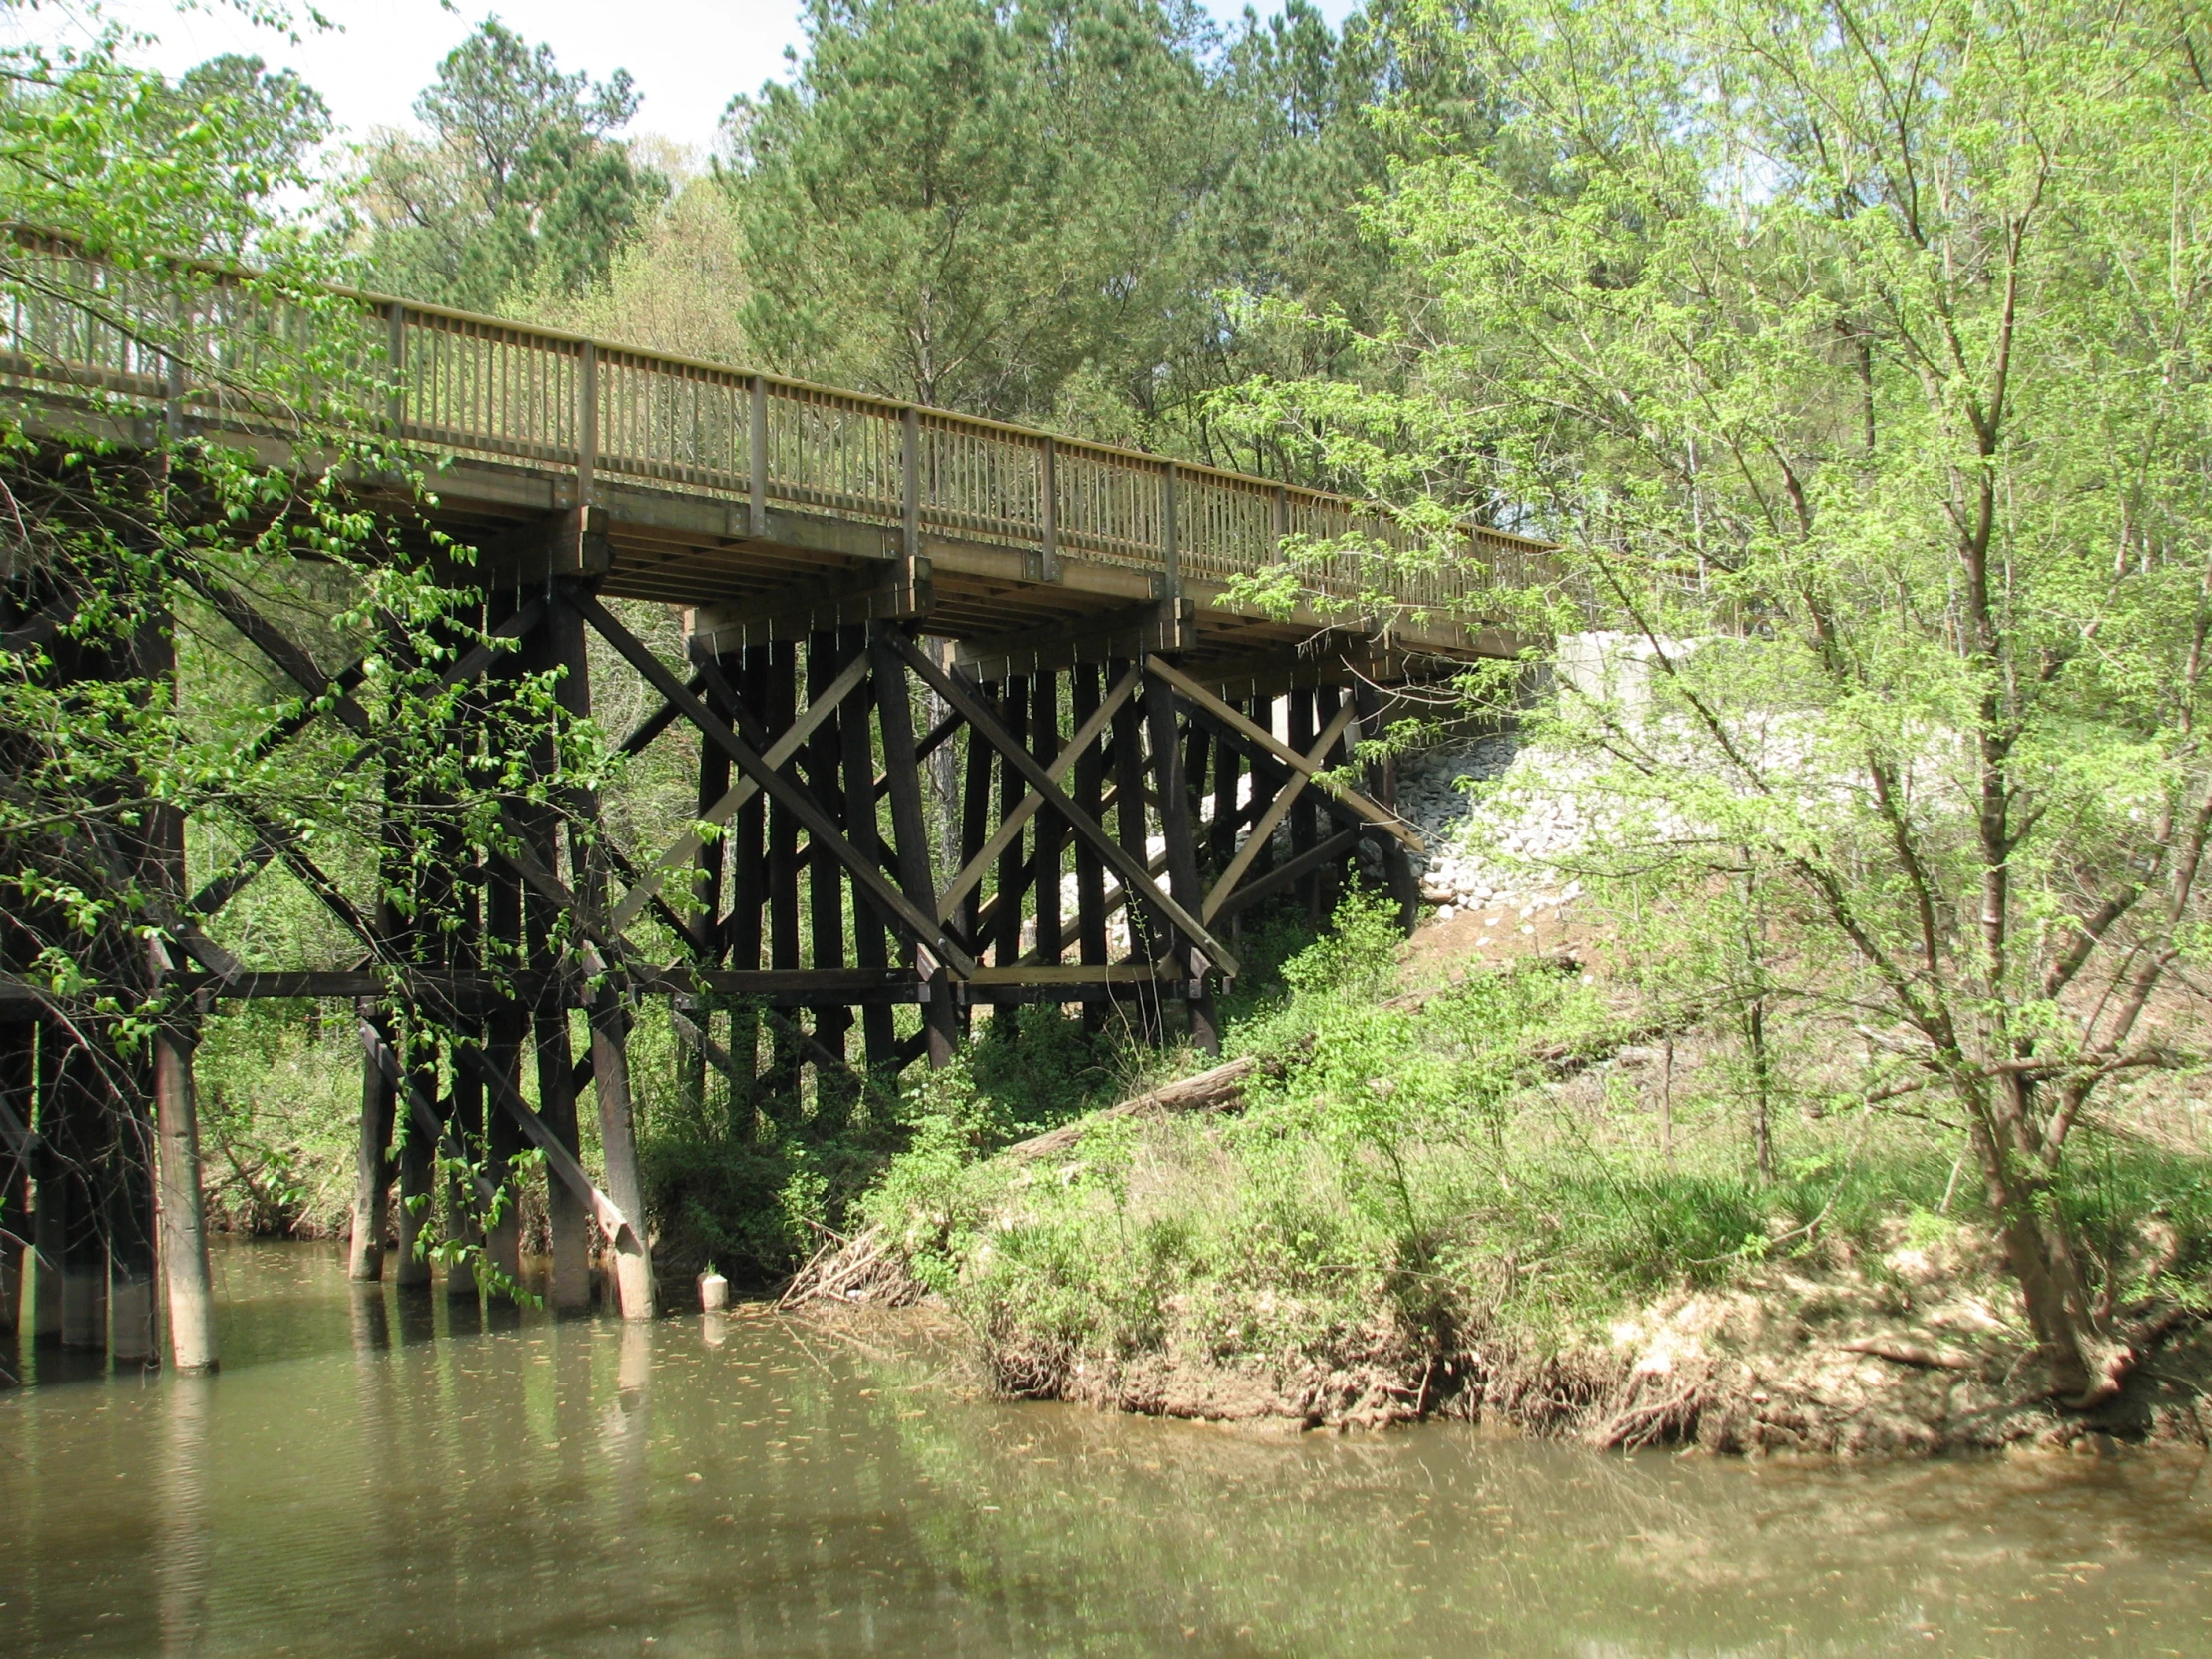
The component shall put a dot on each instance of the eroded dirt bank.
(1917, 1353)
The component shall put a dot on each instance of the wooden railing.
(183, 338)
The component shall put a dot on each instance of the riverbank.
(1514, 1194)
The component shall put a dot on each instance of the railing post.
(172, 378)
(756, 446)
(1167, 549)
(1281, 518)
(1050, 483)
(587, 425)
(910, 458)
(396, 362)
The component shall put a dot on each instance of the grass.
(1420, 1173)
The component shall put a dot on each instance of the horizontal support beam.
(902, 591)
(1159, 625)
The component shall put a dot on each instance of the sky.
(686, 56)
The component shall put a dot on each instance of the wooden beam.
(1074, 974)
(1228, 715)
(1011, 826)
(903, 589)
(1217, 897)
(1156, 625)
(866, 877)
(1131, 870)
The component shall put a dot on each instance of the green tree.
(521, 183)
(1855, 354)
(965, 202)
(262, 128)
(131, 714)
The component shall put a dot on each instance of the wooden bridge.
(1110, 743)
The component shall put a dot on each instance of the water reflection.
(183, 1531)
(375, 1473)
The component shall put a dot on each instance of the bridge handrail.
(498, 389)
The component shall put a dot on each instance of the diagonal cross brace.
(1125, 865)
(866, 879)
(558, 1158)
(677, 859)
(1280, 805)
(220, 891)
(1379, 817)
(950, 900)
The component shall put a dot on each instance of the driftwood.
(865, 1267)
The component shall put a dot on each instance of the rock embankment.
(1493, 856)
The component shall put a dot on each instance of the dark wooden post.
(550, 646)
(130, 1206)
(505, 1025)
(1044, 744)
(1014, 716)
(1181, 850)
(870, 944)
(504, 1029)
(418, 1156)
(50, 1212)
(777, 714)
(894, 712)
(975, 833)
(371, 1158)
(1221, 834)
(1090, 869)
(1267, 776)
(75, 1138)
(1327, 882)
(834, 1091)
(747, 905)
(465, 1115)
(608, 1020)
(1145, 928)
(18, 1081)
(1305, 821)
(705, 925)
(1381, 784)
(380, 1101)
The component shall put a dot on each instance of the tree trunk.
(2039, 1248)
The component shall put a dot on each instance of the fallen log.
(1219, 1089)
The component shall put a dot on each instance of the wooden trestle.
(944, 770)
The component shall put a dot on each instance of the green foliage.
(521, 186)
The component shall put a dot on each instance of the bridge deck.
(754, 498)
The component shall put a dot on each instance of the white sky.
(688, 57)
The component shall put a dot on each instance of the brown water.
(370, 1475)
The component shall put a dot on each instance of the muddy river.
(379, 1474)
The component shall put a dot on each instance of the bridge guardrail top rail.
(504, 391)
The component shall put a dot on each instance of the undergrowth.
(1427, 1168)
